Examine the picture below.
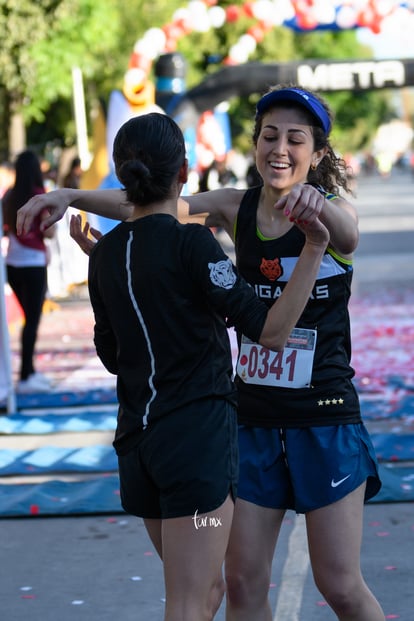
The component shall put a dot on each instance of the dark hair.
(148, 152)
(75, 163)
(28, 181)
(331, 172)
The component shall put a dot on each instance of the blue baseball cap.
(305, 99)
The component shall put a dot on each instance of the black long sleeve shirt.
(163, 295)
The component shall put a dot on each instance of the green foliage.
(43, 40)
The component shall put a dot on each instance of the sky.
(396, 39)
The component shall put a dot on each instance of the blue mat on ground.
(101, 495)
(378, 407)
(397, 484)
(66, 398)
(54, 498)
(84, 420)
(54, 459)
(102, 458)
(392, 447)
(84, 480)
(372, 407)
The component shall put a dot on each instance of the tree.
(41, 42)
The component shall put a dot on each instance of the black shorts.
(186, 462)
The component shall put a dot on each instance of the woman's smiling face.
(285, 148)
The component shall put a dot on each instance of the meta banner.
(355, 75)
(318, 75)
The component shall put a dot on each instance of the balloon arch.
(299, 15)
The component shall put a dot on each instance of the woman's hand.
(80, 234)
(303, 204)
(316, 233)
(55, 202)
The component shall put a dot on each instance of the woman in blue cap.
(302, 442)
(303, 445)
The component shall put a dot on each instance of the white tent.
(7, 394)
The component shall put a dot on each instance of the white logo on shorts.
(336, 483)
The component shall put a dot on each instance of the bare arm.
(341, 220)
(216, 207)
(108, 203)
(285, 312)
(49, 233)
(338, 215)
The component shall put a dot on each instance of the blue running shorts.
(305, 468)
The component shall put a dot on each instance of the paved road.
(101, 568)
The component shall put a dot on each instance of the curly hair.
(331, 172)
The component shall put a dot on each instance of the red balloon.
(257, 33)
(232, 13)
(366, 18)
(140, 61)
(173, 30)
(376, 26)
(170, 45)
(184, 25)
(229, 62)
(306, 21)
(248, 9)
(265, 26)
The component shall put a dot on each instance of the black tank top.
(267, 264)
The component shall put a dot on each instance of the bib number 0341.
(290, 368)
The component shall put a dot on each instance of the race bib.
(290, 368)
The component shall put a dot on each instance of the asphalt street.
(102, 567)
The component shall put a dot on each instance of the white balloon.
(248, 43)
(262, 9)
(276, 18)
(152, 44)
(324, 12)
(155, 34)
(346, 17)
(198, 18)
(238, 54)
(179, 14)
(384, 7)
(283, 8)
(134, 76)
(216, 16)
